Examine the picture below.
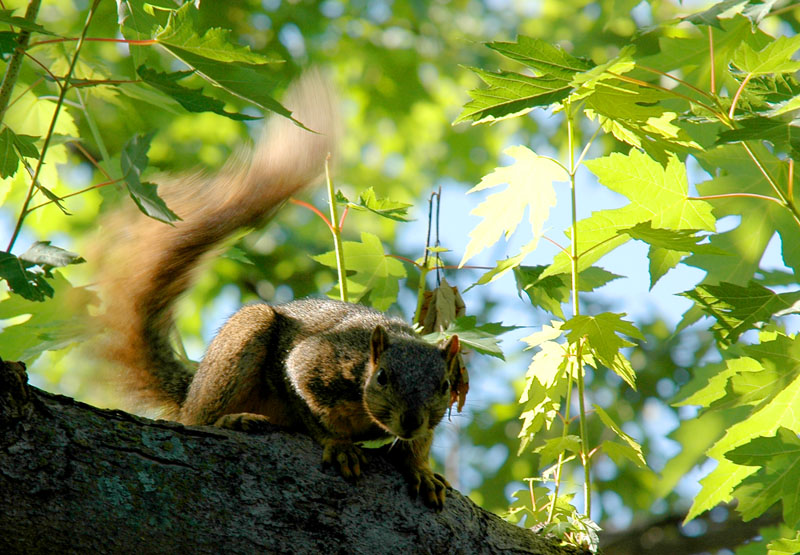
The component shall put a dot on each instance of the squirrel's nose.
(411, 422)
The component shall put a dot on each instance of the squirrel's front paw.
(345, 457)
(429, 486)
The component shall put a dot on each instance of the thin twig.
(98, 186)
(51, 130)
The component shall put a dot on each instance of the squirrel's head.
(409, 383)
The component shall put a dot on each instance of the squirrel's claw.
(430, 486)
(345, 457)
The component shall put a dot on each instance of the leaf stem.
(336, 229)
(784, 200)
(574, 257)
(76, 193)
(565, 429)
(711, 57)
(563, 249)
(314, 209)
(586, 148)
(738, 94)
(677, 80)
(666, 90)
(737, 195)
(144, 42)
(64, 88)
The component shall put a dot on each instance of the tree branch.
(74, 478)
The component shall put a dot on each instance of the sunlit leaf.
(777, 480)
(776, 57)
(385, 207)
(373, 271)
(530, 185)
(600, 332)
(658, 194)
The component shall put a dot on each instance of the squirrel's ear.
(378, 342)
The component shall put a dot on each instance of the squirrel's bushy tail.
(145, 265)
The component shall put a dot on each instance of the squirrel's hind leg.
(228, 388)
(245, 422)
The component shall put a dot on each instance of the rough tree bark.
(77, 479)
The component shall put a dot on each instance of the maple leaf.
(530, 185)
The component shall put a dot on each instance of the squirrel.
(340, 372)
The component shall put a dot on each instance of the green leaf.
(776, 57)
(737, 309)
(552, 448)
(530, 185)
(54, 324)
(603, 342)
(549, 362)
(217, 44)
(542, 56)
(482, 338)
(506, 265)
(29, 285)
(138, 19)
(720, 482)
(735, 172)
(709, 382)
(8, 43)
(545, 384)
(133, 161)
(385, 207)
(683, 240)
(633, 447)
(719, 10)
(784, 546)
(12, 146)
(374, 272)
(658, 194)
(668, 246)
(777, 480)
(9, 161)
(782, 134)
(22, 23)
(217, 59)
(619, 453)
(46, 255)
(632, 114)
(510, 95)
(192, 100)
(26, 145)
(550, 292)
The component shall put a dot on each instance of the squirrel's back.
(145, 265)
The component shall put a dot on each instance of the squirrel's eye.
(381, 378)
(445, 386)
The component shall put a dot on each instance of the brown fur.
(342, 373)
